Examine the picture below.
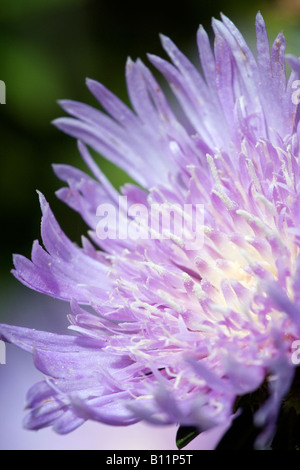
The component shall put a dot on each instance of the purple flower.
(165, 333)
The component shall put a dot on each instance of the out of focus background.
(47, 49)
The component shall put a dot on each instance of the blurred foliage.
(47, 48)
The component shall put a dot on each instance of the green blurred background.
(47, 48)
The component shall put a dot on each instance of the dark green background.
(47, 48)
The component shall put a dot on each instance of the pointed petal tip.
(81, 146)
(140, 63)
(259, 16)
(61, 101)
(153, 58)
(57, 122)
(44, 204)
(67, 105)
(216, 24)
(57, 167)
(164, 38)
(201, 30)
(92, 83)
(64, 124)
(14, 271)
(260, 22)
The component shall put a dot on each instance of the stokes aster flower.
(164, 333)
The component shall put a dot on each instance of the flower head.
(165, 332)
